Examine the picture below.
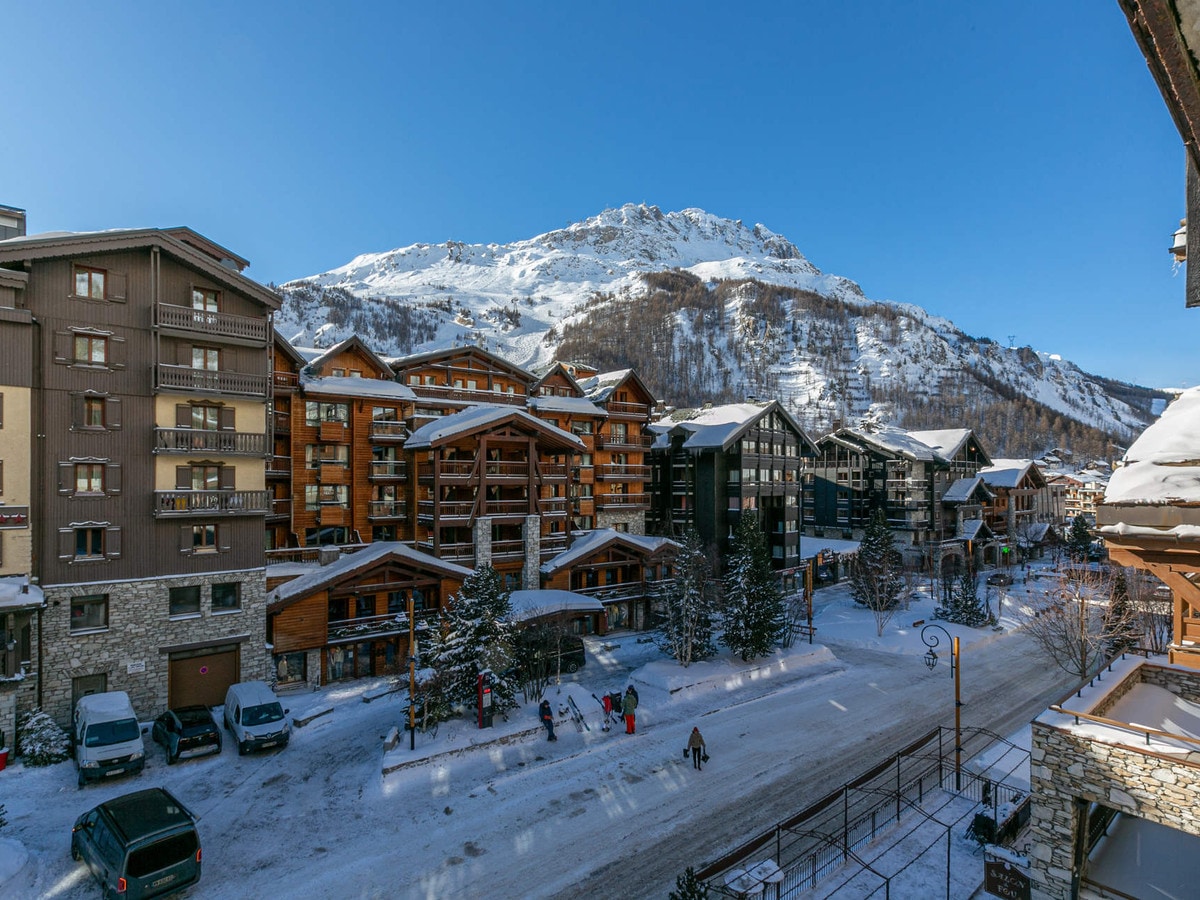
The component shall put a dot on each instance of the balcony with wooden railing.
(453, 552)
(365, 627)
(226, 443)
(636, 443)
(622, 501)
(207, 381)
(281, 420)
(217, 326)
(393, 510)
(553, 506)
(281, 508)
(463, 395)
(209, 503)
(616, 472)
(385, 431)
(312, 554)
(554, 544)
(446, 510)
(508, 550)
(285, 382)
(388, 470)
(627, 410)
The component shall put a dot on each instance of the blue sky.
(1009, 165)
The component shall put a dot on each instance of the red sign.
(1003, 879)
(14, 516)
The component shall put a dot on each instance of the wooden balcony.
(553, 472)
(279, 466)
(308, 554)
(386, 431)
(462, 395)
(366, 627)
(553, 544)
(391, 510)
(210, 503)
(285, 382)
(453, 552)
(217, 326)
(553, 506)
(614, 472)
(428, 510)
(332, 473)
(206, 381)
(508, 549)
(636, 443)
(226, 443)
(281, 420)
(281, 509)
(388, 470)
(627, 410)
(622, 501)
(447, 470)
(333, 514)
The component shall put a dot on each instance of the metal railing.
(384, 430)
(388, 469)
(386, 509)
(185, 378)
(622, 501)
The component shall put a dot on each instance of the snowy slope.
(516, 299)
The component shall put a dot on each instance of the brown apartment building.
(149, 383)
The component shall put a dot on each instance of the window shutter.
(112, 412)
(184, 354)
(183, 478)
(77, 409)
(66, 478)
(112, 478)
(223, 531)
(116, 285)
(116, 352)
(227, 478)
(66, 543)
(185, 538)
(228, 414)
(112, 541)
(183, 415)
(64, 347)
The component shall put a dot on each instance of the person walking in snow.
(696, 745)
(628, 709)
(546, 714)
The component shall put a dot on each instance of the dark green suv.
(140, 845)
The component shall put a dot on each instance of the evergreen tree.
(476, 636)
(688, 887)
(691, 604)
(966, 606)
(1079, 539)
(1120, 621)
(754, 614)
(875, 580)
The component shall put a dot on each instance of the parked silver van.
(256, 718)
(140, 845)
(107, 737)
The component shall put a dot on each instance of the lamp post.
(412, 677)
(931, 660)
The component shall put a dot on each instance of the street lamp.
(931, 660)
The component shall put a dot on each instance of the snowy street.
(594, 814)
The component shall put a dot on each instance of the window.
(204, 538)
(89, 613)
(227, 596)
(337, 373)
(206, 358)
(205, 418)
(89, 478)
(89, 282)
(585, 460)
(91, 349)
(318, 495)
(383, 414)
(581, 427)
(356, 373)
(206, 478)
(89, 543)
(315, 413)
(364, 606)
(205, 299)
(316, 455)
(184, 601)
(93, 412)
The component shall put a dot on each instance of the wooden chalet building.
(713, 465)
(349, 619)
(1021, 513)
(147, 430)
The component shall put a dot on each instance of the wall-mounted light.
(1179, 244)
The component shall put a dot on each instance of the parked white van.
(256, 718)
(107, 737)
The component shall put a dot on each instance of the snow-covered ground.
(500, 812)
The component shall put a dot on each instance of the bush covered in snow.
(40, 742)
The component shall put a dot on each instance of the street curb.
(514, 737)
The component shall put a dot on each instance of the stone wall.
(634, 522)
(1065, 767)
(139, 627)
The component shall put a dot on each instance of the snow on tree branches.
(876, 573)
(691, 603)
(754, 615)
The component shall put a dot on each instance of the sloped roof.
(594, 541)
(356, 343)
(351, 563)
(557, 368)
(543, 602)
(1007, 473)
(481, 418)
(579, 406)
(599, 388)
(963, 489)
(1162, 467)
(718, 427)
(946, 442)
(888, 439)
(448, 353)
(973, 530)
(343, 386)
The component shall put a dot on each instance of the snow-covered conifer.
(691, 603)
(753, 614)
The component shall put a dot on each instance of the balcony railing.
(378, 626)
(442, 392)
(553, 472)
(207, 503)
(634, 442)
(622, 501)
(508, 549)
(185, 378)
(458, 552)
(187, 440)
(386, 509)
(309, 554)
(211, 324)
(280, 466)
(615, 472)
(552, 545)
(388, 470)
(281, 508)
(285, 381)
(458, 509)
(382, 430)
(553, 506)
(282, 421)
(620, 408)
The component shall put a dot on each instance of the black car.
(1000, 578)
(187, 731)
(140, 845)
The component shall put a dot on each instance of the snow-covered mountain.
(814, 341)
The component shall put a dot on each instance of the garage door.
(202, 677)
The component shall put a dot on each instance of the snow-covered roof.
(479, 417)
(592, 541)
(533, 604)
(1033, 533)
(576, 406)
(963, 489)
(357, 561)
(890, 439)
(600, 386)
(1006, 473)
(1163, 465)
(811, 546)
(945, 442)
(17, 593)
(970, 529)
(716, 427)
(356, 387)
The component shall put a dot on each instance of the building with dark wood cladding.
(149, 355)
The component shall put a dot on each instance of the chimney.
(12, 222)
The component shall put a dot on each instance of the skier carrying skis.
(546, 714)
(628, 709)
